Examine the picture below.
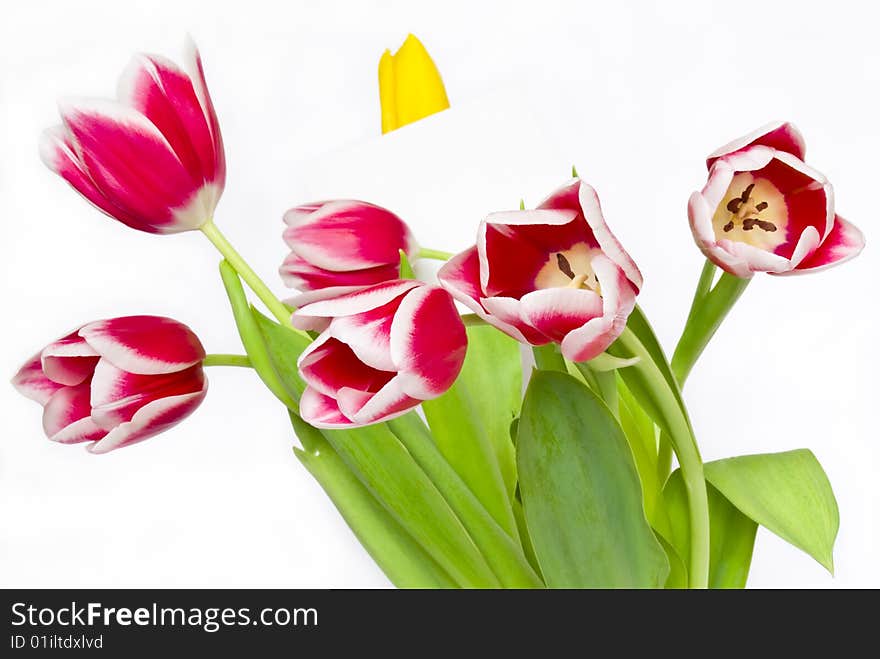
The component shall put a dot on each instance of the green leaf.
(251, 337)
(580, 491)
(731, 534)
(500, 548)
(678, 578)
(389, 472)
(787, 493)
(471, 421)
(284, 346)
(406, 271)
(396, 552)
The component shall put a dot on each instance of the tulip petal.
(158, 89)
(368, 334)
(351, 303)
(843, 243)
(153, 418)
(348, 235)
(193, 66)
(30, 381)
(460, 276)
(145, 345)
(779, 135)
(428, 342)
(364, 408)
(57, 152)
(328, 365)
(298, 273)
(114, 142)
(69, 360)
(507, 310)
(557, 311)
(117, 395)
(66, 416)
(514, 246)
(619, 299)
(321, 411)
(579, 196)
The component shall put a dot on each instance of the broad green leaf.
(500, 548)
(580, 491)
(678, 578)
(731, 534)
(399, 556)
(787, 493)
(639, 431)
(284, 347)
(471, 421)
(251, 337)
(389, 472)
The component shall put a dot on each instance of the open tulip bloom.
(411, 414)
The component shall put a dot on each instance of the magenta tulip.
(382, 350)
(555, 274)
(153, 159)
(116, 382)
(764, 210)
(343, 243)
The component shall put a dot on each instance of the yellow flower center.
(753, 211)
(570, 268)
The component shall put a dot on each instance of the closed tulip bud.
(152, 159)
(116, 382)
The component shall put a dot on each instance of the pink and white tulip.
(153, 159)
(343, 243)
(382, 351)
(116, 382)
(555, 274)
(764, 210)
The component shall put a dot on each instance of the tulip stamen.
(744, 209)
(564, 266)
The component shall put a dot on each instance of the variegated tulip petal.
(30, 381)
(779, 135)
(67, 416)
(144, 344)
(844, 242)
(321, 411)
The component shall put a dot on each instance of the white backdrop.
(635, 96)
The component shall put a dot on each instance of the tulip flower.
(382, 350)
(116, 382)
(764, 210)
(555, 274)
(410, 86)
(153, 159)
(343, 243)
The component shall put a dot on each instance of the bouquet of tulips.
(512, 423)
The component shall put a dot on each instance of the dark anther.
(564, 266)
(749, 224)
(728, 226)
(766, 226)
(761, 206)
(747, 192)
(734, 204)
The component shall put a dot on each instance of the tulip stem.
(435, 254)
(227, 360)
(708, 310)
(672, 415)
(548, 358)
(273, 304)
(472, 319)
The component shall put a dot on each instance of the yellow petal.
(410, 86)
(386, 92)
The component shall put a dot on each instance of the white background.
(635, 95)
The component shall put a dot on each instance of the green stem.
(707, 313)
(472, 320)
(227, 360)
(548, 358)
(674, 417)
(435, 254)
(664, 459)
(273, 304)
